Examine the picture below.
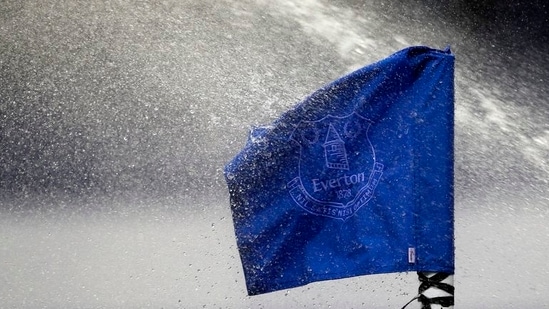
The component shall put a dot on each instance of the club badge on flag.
(347, 179)
(356, 179)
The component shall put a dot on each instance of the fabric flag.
(356, 179)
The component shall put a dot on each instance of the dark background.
(104, 100)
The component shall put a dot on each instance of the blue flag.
(357, 179)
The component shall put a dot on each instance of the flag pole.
(436, 290)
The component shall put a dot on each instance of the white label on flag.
(411, 255)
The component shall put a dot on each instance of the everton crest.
(338, 172)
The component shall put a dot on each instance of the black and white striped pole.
(436, 291)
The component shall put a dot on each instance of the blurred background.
(117, 117)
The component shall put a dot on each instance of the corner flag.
(357, 179)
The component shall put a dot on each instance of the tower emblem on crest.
(338, 171)
(334, 150)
